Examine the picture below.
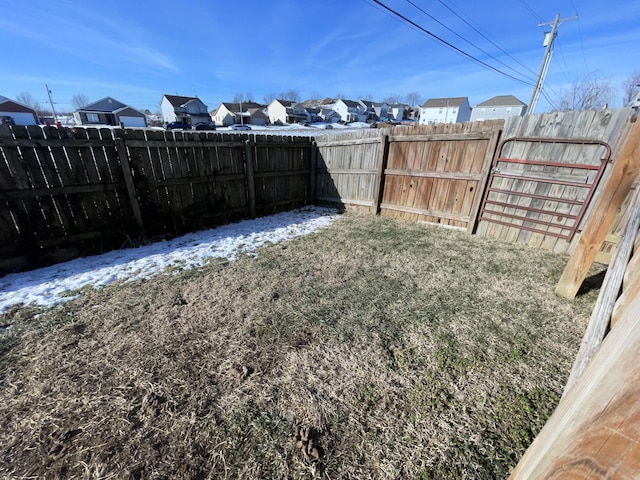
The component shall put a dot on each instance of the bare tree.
(27, 99)
(291, 95)
(339, 96)
(368, 97)
(248, 97)
(587, 93)
(269, 97)
(393, 98)
(413, 99)
(630, 88)
(315, 96)
(238, 98)
(79, 100)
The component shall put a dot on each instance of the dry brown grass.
(373, 349)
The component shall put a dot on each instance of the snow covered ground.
(52, 285)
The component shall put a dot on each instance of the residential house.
(176, 108)
(350, 111)
(396, 112)
(230, 113)
(21, 114)
(109, 111)
(329, 115)
(314, 114)
(445, 110)
(373, 110)
(286, 111)
(500, 107)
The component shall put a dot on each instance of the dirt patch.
(372, 349)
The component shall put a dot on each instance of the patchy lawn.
(372, 349)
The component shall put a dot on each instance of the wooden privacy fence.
(433, 173)
(65, 192)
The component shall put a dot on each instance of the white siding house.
(176, 108)
(350, 111)
(286, 111)
(500, 107)
(445, 110)
(229, 113)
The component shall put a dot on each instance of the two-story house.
(445, 110)
(350, 111)
(374, 110)
(176, 108)
(230, 113)
(286, 111)
(500, 107)
(395, 112)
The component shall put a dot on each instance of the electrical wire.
(450, 45)
(531, 10)
(479, 32)
(467, 41)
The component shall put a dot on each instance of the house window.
(440, 111)
(93, 117)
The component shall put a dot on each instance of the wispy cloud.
(104, 42)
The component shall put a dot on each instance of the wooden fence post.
(624, 171)
(128, 180)
(312, 172)
(251, 187)
(382, 165)
(492, 150)
(603, 309)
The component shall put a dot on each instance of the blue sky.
(136, 51)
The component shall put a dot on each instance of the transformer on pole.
(549, 37)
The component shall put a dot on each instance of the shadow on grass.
(592, 282)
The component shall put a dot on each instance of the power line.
(485, 37)
(531, 10)
(449, 45)
(467, 41)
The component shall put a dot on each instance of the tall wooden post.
(625, 170)
(128, 179)
(382, 165)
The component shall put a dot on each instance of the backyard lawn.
(374, 348)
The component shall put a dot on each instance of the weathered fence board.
(64, 192)
(346, 168)
(436, 174)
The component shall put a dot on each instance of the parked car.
(328, 126)
(178, 126)
(6, 120)
(205, 126)
(240, 127)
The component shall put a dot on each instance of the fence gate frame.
(577, 218)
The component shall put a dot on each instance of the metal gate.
(523, 209)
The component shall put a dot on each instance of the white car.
(240, 127)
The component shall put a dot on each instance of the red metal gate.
(567, 222)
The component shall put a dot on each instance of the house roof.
(349, 103)
(8, 105)
(285, 103)
(445, 102)
(107, 104)
(178, 100)
(244, 106)
(502, 101)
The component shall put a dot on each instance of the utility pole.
(53, 110)
(548, 42)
